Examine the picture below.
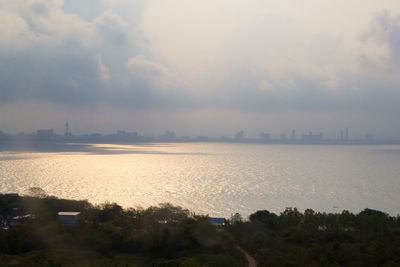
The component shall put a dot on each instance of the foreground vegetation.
(370, 238)
(107, 235)
(166, 235)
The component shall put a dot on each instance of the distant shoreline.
(81, 145)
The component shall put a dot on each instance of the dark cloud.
(82, 68)
(73, 78)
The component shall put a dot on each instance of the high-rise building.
(347, 134)
(66, 128)
(239, 136)
(45, 134)
(265, 137)
(310, 137)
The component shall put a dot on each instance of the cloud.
(112, 27)
(88, 10)
(53, 56)
(156, 75)
(201, 58)
(104, 74)
(382, 42)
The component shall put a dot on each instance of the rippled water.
(214, 178)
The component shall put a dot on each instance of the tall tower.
(293, 135)
(347, 134)
(66, 128)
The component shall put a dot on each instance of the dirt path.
(251, 262)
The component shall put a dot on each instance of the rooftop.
(68, 213)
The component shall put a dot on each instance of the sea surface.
(218, 179)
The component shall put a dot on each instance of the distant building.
(67, 133)
(125, 136)
(217, 221)
(239, 136)
(202, 138)
(369, 137)
(12, 194)
(68, 217)
(313, 138)
(347, 134)
(293, 135)
(45, 133)
(265, 137)
(94, 137)
(20, 219)
(224, 139)
(168, 136)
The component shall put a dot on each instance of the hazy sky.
(201, 67)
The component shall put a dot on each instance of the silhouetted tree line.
(293, 238)
(108, 235)
(167, 235)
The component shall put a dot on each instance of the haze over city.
(200, 67)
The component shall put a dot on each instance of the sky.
(201, 67)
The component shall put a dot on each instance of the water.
(215, 178)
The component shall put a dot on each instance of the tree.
(236, 218)
(36, 192)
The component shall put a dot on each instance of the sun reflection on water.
(214, 179)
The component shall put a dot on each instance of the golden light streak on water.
(215, 179)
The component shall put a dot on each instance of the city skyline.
(293, 136)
